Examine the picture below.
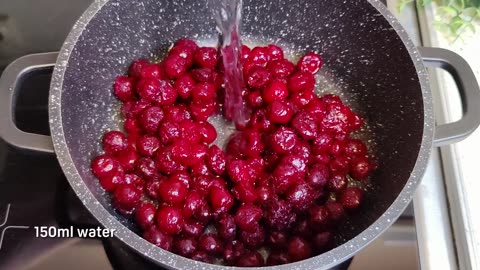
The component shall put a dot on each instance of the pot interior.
(365, 62)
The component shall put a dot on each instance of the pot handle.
(469, 90)
(9, 82)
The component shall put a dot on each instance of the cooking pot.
(369, 61)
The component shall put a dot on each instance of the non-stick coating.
(365, 61)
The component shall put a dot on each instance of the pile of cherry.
(283, 183)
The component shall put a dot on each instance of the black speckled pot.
(370, 62)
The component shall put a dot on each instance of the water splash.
(228, 15)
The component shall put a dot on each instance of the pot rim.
(326, 260)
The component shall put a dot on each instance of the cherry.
(299, 249)
(202, 75)
(151, 188)
(335, 210)
(147, 145)
(310, 62)
(259, 56)
(279, 112)
(301, 81)
(185, 246)
(302, 148)
(354, 147)
(206, 57)
(302, 99)
(337, 119)
(181, 176)
(254, 99)
(340, 165)
(127, 159)
(251, 259)
(204, 214)
(201, 111)
(277, 258)
(253, 239)
(203, 92)
(169, 219)
(165, 162)
(278, 214)
(135, 180)
(192, 204)
(132, 109)
(319, 216)
(321, 241)
(105, 165)
(173, 191)
(300, 196)
(252, 144)
(208, 132)
(274, 52)
(193, 229)
(111, 182)
(201, 256)
(318, 175)
(176, 113)
(245, 50)
(277, 239)
(181, 152)
(360, 168)
(258, 77)
(239, 171)
(184, 86)
(247, 217)
(316, 108)
(132, 127)
(146, 167)
(158, 238)
(210, 243)
(226, 227)
(199, 169)
(126, 197)
(123, 88)
(190, 131)
(337, 182)
(199, 153)
(233, 251)
(175, 66)
(337, 148)
(245, 192)
(149, 89)
(305, 125)
(259, 121)
(216, 160)
(114, 142)
(150, 119)
(281, 68)
(169, 131)
(322, 143)
(168, 94)
(220, 199)
(136, 67)
(351, 198)
(145, 215)
(275, 91)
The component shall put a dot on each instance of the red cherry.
(206, 57)
(351, 198)
(105, 165)
(169, 220)
(158, 238)
(145, 215)
(301, 81)
(124, 88)
(172, 191)
(114, 142)
(275, 91)
(299, 249)
(311, 62)
(220, 199)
